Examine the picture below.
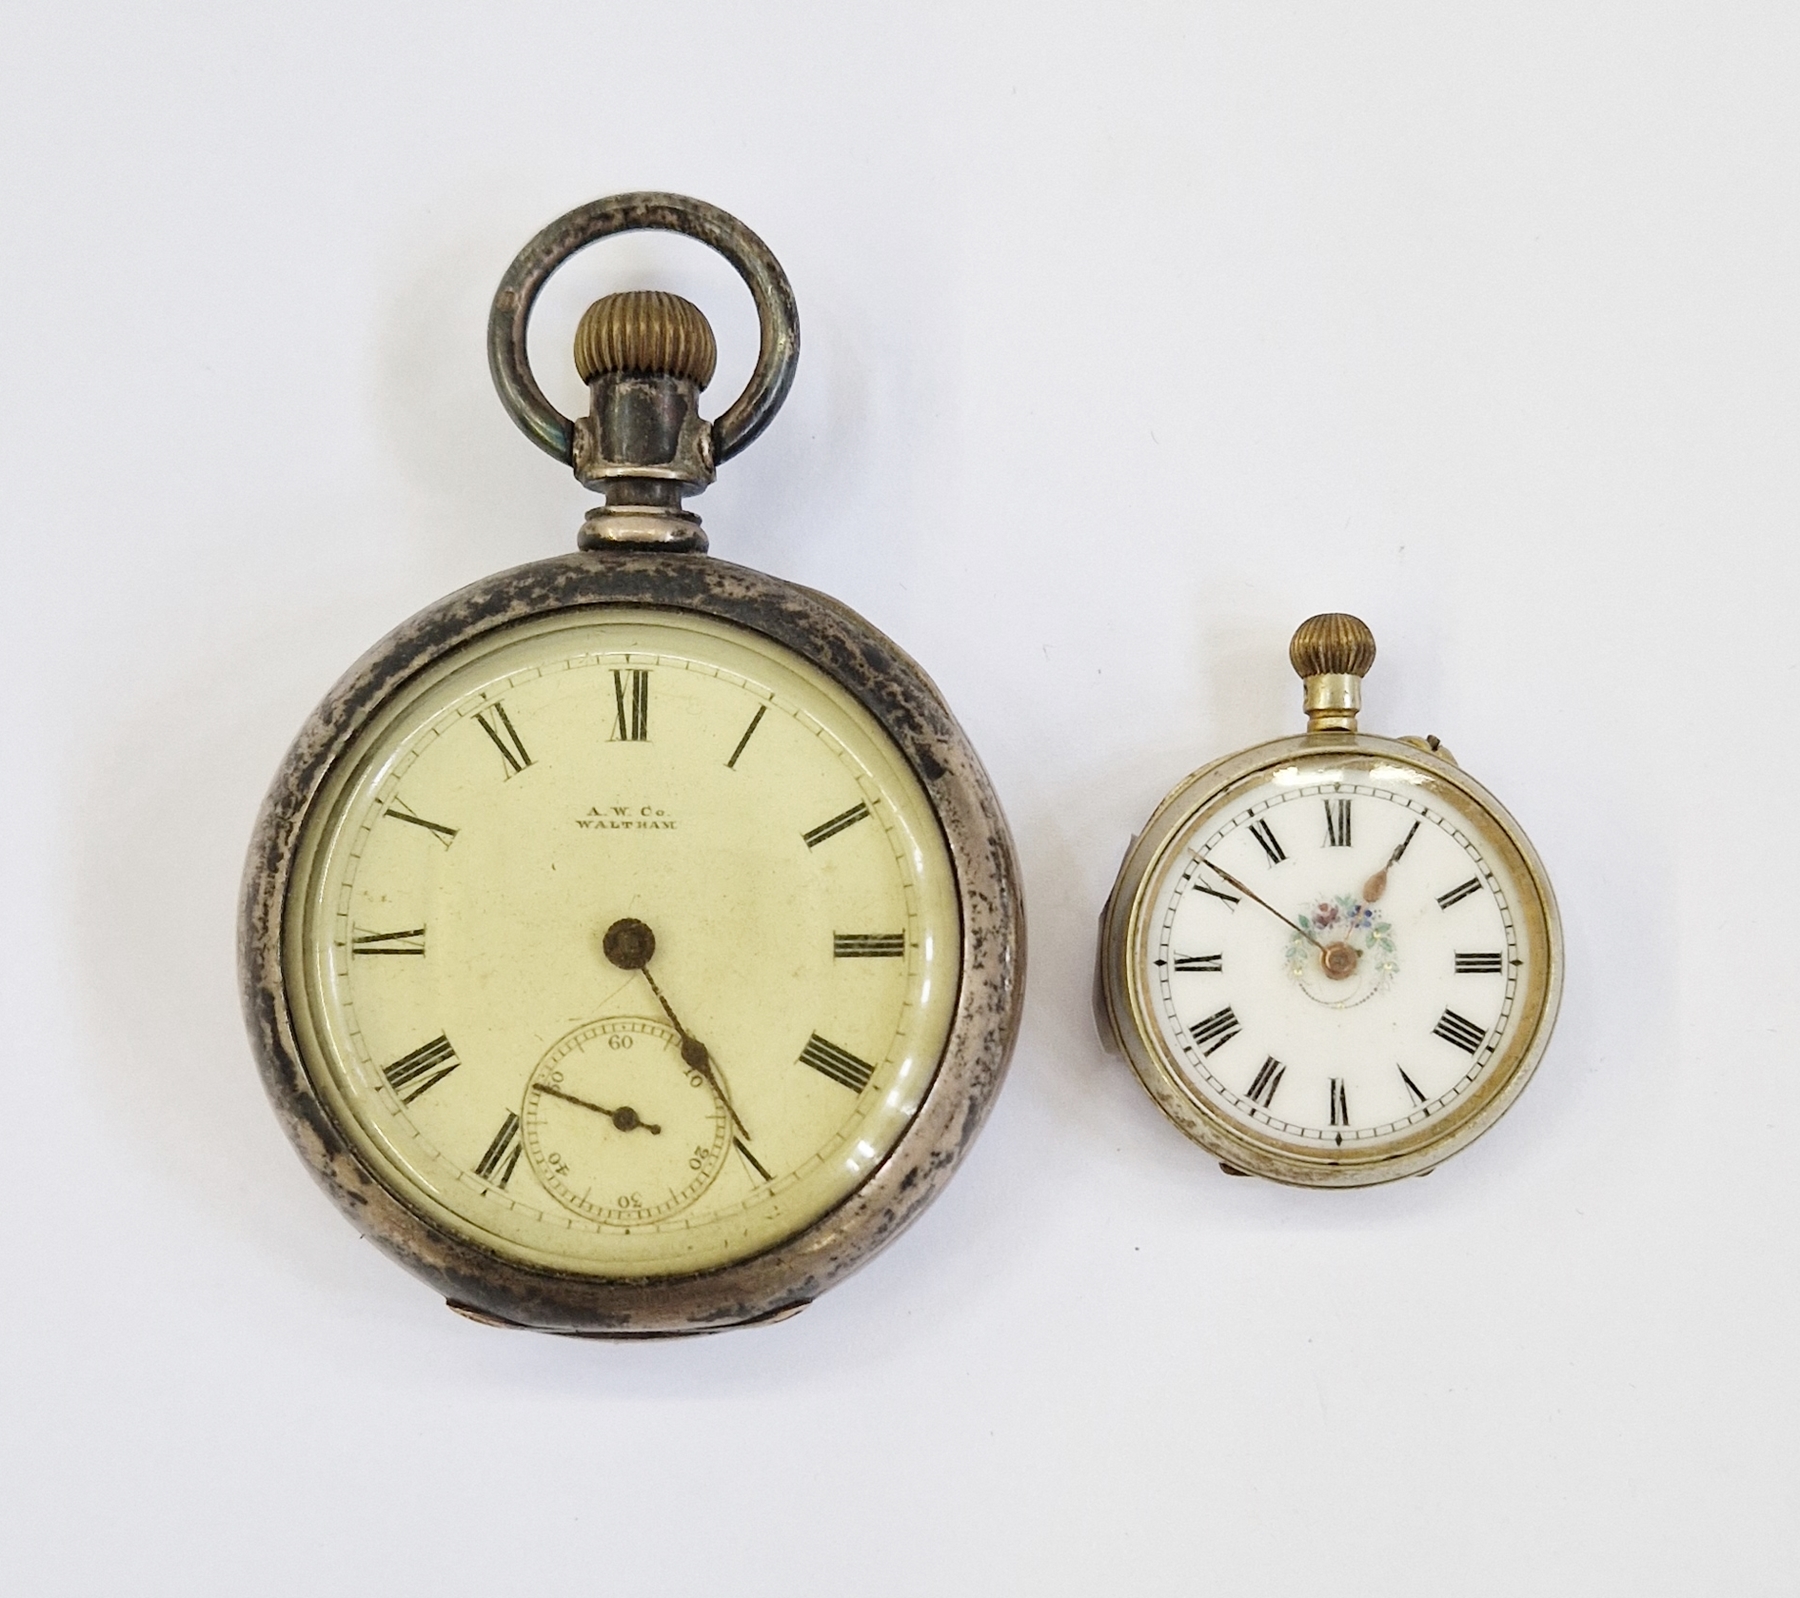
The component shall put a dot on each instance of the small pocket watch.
(1334, 959)
(632, 942)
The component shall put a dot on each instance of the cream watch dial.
(1333, 956)
(626, 944)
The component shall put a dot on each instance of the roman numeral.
(1215, 1031)
(399, 812)
(1264, 834)
(1405, 844)
(411, 941)
(427, 1066)
(1230, 898)
(1340, 1103)
(496, 1166)
(1412, 1087)
(868, 945)
(755, 722)
(1268, 1079)
(1460, 1030)
(1337, 823)
(830, 829)
(631, 702)
(1475, 964)
(1199, 962)
(1457, 894)
(505, 736)
(751, 1160)
(840, 1065)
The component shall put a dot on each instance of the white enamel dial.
(1336, 960)
(1248, 997)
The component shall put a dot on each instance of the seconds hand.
(629, 944)
(624, 1118)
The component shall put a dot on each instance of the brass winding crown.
(1332, 643)
(645, 331)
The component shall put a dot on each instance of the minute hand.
(694, 1053)
(1251, 893)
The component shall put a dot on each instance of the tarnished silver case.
(893, 689)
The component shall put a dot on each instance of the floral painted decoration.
(1346, 919)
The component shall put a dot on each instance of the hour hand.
(1376, 886)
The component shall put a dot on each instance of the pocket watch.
(1333, 959)
(632, 943)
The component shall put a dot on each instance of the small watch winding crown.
(1332, 653)
(644, 355)
(647, 332)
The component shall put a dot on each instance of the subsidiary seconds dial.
(619, 1127)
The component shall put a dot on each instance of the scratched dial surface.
(458, 1004)
(1334, 956)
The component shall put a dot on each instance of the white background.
(1133, 334)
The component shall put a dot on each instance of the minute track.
(1383, 1107)
(575, 780)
